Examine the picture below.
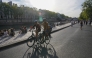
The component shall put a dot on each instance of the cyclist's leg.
(36, 35)
(43, 35)
(49, 31)
(47, 34)
(50, 34)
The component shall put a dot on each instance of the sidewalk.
(22, 37)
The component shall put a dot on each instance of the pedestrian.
(78, 21)
(9, 30)
(5, 33)
(12, 32)
(86, 22)
(21, 30)
(90, 22)
(72, 23)
(25, 29)
(0, 33)
(81, 24)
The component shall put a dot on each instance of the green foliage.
(51, 14)
(87, 10)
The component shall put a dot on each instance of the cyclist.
(38, 28)
(45, 28)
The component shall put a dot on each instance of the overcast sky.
(70, 8)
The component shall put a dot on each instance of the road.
(67, 43)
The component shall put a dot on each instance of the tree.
(5, 9)
(86, 10)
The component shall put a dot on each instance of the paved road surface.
(68, 43)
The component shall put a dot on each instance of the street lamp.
(40, 16)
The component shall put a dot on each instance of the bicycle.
(32, 40)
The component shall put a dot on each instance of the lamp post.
(40, 16)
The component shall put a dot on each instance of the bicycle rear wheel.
(31, 41)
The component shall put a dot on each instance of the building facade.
(10, 3)
(14, 4)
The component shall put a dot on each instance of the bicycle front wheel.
(31, 41)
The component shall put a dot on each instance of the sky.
(71, 8)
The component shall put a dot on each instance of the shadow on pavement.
(46, 51)
(76, 27)
(5, 39)
(20, 35)
(1, 38)
(88, 30)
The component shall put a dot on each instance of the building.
(22, 6)
(10, 3)
(14, 4)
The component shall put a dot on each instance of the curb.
(60, 29)
(24, 41)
